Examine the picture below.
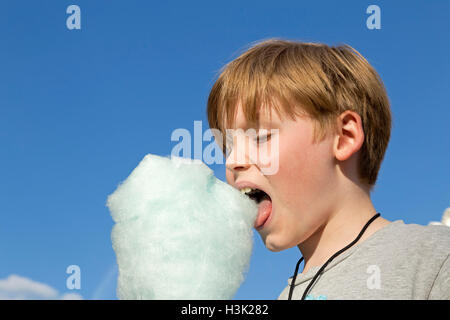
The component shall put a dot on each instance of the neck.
(341, 228)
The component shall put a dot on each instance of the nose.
(238, 158)
(236, 166)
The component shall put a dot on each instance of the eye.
(262, 138)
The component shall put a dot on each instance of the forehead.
(266, 117)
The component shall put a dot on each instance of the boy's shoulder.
(415, 255)
(422, 253)
(428, 240)
(398, 243)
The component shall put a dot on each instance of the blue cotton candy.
(180, 233)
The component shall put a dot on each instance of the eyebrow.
(262, 123)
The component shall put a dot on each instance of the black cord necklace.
(291, 290)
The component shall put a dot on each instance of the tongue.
(264, 210)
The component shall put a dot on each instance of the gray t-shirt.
(398, 261)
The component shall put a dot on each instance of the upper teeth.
(246, 190)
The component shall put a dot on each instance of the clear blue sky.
(80, 108)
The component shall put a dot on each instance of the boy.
(327, 121)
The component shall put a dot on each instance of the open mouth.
(264, 205)
(255, 194)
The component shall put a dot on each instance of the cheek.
(303, 170)
(295, 156)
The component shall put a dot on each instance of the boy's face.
(299, 190)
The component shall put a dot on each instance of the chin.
(273, 245)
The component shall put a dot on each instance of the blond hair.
(296, 78)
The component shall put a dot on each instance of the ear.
(350, 135)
